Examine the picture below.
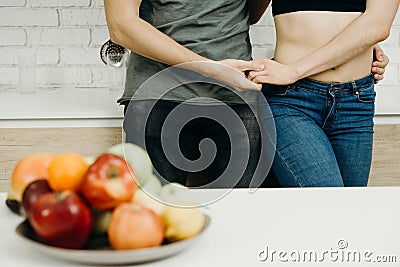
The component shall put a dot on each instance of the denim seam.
(321, 83)
(287, 166)
(336, 110)
(329, 114)
(309, 90)
(292, 106)
(364, 101)
(333, 120)
(343, 93)
(365, 87)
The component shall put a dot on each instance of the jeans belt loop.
(354, 88)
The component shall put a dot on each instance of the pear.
(13, 204)
(182, 223)
(11, 195)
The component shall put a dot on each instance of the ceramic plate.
(98, 251)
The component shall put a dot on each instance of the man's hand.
(273, 73)
(379, 64)
(232, 73)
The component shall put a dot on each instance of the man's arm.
(129, 30)
(257, 9)
(380, 63)
(370, 28)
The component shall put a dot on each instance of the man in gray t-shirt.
(215, 29)
(161, 33)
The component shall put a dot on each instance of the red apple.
(108, 182)
(32, 193)
(62, 219)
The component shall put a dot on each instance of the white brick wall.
(14, 17)
(12, 37)
(66, 36)
(59, 3)
(12, 2)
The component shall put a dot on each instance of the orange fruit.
(66, 172)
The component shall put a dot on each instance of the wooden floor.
(386, 156)
(17, 143)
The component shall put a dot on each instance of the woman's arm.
(257, 9)
(129, 30)
(370, 28)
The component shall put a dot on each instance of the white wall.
(67, 35)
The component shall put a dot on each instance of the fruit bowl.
(98, 251)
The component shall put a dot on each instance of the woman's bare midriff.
(300, 33)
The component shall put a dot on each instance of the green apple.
(152, 186)
(101, 219)
(148, 195)
(137, 158)
(176, 194)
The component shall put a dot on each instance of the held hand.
(273, 73)
(379, 64)
(231, 72)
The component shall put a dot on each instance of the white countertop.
(243, 224)
(60, 105)
(86, 107)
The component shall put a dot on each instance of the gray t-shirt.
(215, 29)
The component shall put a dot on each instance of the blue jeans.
(324, 132)
(191, 136)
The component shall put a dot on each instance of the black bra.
(288, 6)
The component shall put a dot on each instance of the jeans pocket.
(366, 95)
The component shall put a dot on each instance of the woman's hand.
(273, 73)
(380, 63)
